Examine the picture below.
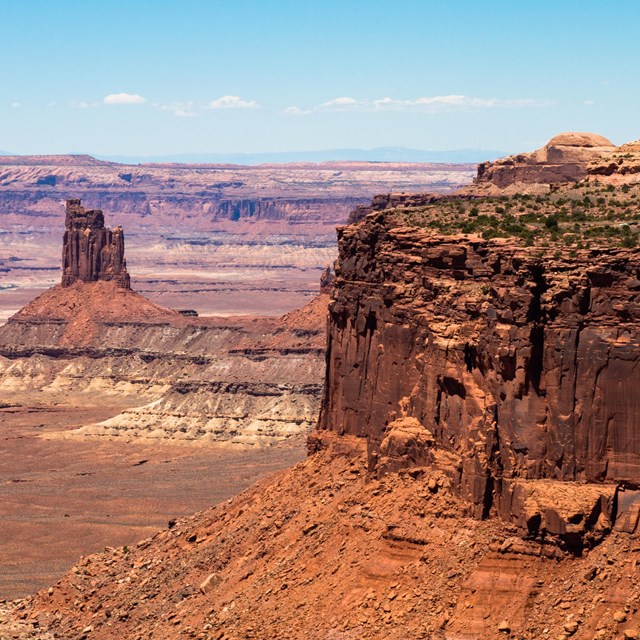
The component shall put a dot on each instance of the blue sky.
(153, 77)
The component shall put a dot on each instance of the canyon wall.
(512, 368)
(206, 197)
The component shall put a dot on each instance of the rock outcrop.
(517, 368)
(565, 158)
(91, 251)
(619, 168)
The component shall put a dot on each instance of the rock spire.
(91, 251)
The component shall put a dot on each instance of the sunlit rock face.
(518, 364)
(565, 158)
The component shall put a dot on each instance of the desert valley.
(466, 465)
(222, 239)
(138, 380)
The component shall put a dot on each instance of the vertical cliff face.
(91, 251)
(507, 366)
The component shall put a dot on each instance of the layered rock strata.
(514, 370)
(302, 199)
(248, 381)
(91, 251)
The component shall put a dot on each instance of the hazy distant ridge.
(379, 154)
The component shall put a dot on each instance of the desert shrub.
(551, 222)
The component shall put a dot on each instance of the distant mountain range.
(379, 154)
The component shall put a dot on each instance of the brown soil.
(85, 304)
(97, 301)
(60, 499)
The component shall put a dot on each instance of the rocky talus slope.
(325, 551)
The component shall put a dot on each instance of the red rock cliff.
(91, 251)
(516, 371)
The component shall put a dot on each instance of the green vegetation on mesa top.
(584, 216)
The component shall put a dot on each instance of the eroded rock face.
(91, 251)
(522, 365)
(619, 168)
(302, 199)
(565, 158)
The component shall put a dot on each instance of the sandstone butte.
(246, 381)
(475, 469)
(95, 286)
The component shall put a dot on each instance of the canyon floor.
(104, 444)
(62, 498)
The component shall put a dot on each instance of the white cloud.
(428, 104)
(180, 109)
(232, 102)
(15, 105)
(297, 111)
(84, 105)
(123, 98)
(589, 102)
(452, 100)
(340, 103)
